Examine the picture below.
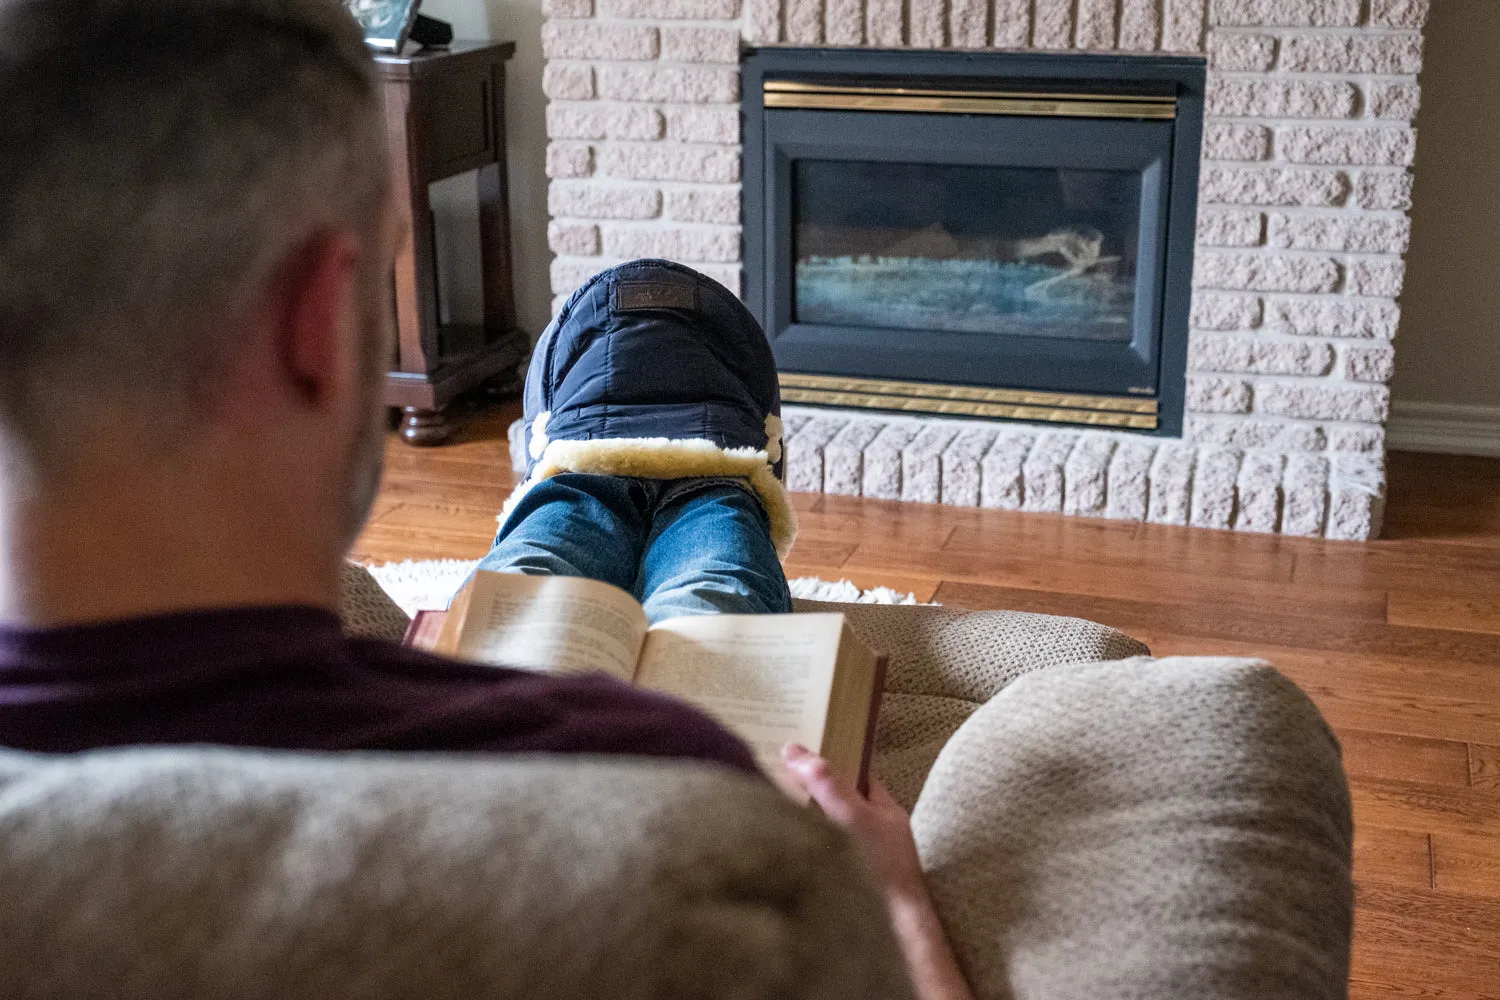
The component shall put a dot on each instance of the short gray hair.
(157, 159)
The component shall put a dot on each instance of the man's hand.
(883, 830)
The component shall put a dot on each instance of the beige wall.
(1448, 350)
(519, 21)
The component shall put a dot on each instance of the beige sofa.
(1095, 824)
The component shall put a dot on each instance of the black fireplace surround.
(991, 235)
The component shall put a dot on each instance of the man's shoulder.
(468, 706)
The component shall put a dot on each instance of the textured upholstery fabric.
(213, 874)
(1174, 828)
(368, 611)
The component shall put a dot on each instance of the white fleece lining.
(667, 458)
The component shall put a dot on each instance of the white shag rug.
(423, 584)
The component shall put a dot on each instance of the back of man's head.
(159, 161)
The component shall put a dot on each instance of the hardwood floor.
(1398, 641)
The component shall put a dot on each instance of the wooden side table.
(445, 115)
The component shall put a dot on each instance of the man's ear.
(319, 318)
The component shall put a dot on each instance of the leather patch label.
(631, 295)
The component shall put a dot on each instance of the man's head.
(195, 227)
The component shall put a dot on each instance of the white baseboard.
(1446, 428)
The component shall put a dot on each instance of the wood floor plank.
(1484, 766)
(1392, 857)
(1389, 757)
(1466, 865)
(1431, 609)
(1424, 807)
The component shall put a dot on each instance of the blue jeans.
(680, 546)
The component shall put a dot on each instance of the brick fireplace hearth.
(1301, 234)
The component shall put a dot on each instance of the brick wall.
(1305, 184)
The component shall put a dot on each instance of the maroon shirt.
(289, 678)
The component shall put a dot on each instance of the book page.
(766, 678)
(552, 624)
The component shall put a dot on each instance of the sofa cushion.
(228, 874)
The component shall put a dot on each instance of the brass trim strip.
(965, 393)
(908, 404)
(794, 94)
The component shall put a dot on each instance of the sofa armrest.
(1174, 828)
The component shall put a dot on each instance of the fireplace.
(991, 235)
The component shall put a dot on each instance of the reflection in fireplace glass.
(1041, 252)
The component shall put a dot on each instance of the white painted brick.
(1383, 190)
(1212, 394)
(1171, 496)
(713, 125)
(573, 240)
(568, 81)
(1258, 492)
(1217, 311)
(1398, 13)
(926, 26)
(1252, 432)
(1002, 482)
(922, 464)
(1140, 25)
(686, 10)
(1241, 52)
(1359, 233)
(1228, 228)
(1287, 13)
(1044, 473)
(1384, 54)
(631, 121)
(1394, 100)
(968, 28)
(1334, 318)
(1012, 21)
(1130, 479)
(1379, 276)
(1258, 355)
(569, 159)
(793, 421)
(844, 22)
(597, 40)
(961, 471)
(661, 161)
(1242, 97)
(714, 245)
(584, 200)
(1356, 437)
(1304, 492)
(844, 457)
(1233, 141)
(1052, 27)
(1369, 364)
(704, 204)
(1213, 488)
(575, 121)
(804, 454)
(1096, 25)
(885, 23)
(1386, 146)
(1272, 186)
(1370, 404)
(1086, 475)
(763, 22)
(883, 461)
(700, 45)
(1265, 273)
(1182, 25)
(568, 8)
(684, 84)
(568, 273)
(1356, 497)
(804, 21)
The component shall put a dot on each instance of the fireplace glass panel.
(1040, 252)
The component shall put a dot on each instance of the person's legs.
(710, 552)
(575, 525)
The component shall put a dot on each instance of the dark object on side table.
(445, 114)
(430, 31)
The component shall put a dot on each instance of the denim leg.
(575, 525)
(710, 552)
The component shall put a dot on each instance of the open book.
(770, 679)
